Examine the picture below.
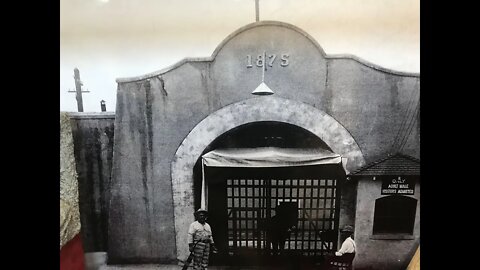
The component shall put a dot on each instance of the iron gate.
(251, 202)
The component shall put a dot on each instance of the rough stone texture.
(388, 254)
(69, 210)
(93, 139)
(156, 112)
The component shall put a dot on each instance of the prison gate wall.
(156, 112)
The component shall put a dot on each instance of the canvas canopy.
(269, 157)
(262, 157)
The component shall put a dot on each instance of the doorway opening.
(264, 214)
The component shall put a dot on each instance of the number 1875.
(269, 60)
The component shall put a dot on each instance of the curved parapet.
(250, 27)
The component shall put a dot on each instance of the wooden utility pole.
(78, 89)
(257, 15)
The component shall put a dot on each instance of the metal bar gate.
(251, 202)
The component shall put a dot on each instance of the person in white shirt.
(200, 240)
(348, 246)
(346, 253)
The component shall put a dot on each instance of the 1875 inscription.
(269, 60)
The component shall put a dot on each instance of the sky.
(110, 39)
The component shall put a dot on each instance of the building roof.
(394, 164)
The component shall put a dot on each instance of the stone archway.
(265, 108)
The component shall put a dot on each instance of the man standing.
(200, 240)
(279, 228)
(348, 246)
(346, 253)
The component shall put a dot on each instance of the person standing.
(348, 246)
(279, 228)
(200, 240)
(346, 253)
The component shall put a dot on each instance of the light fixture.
(263, 89)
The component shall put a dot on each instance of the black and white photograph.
(239, 134)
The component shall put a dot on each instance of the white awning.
(269, 157)
(263, 157)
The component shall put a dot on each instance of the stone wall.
(93, 138)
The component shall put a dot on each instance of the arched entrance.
(268, 108)
(273, 194)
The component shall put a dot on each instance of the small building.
(387, 215)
